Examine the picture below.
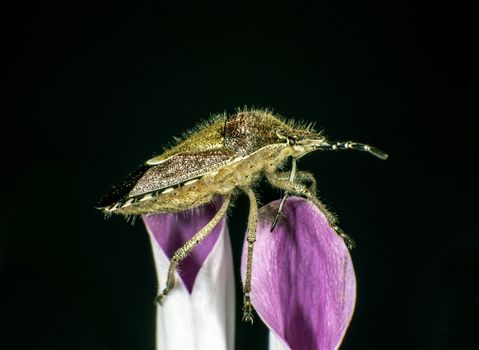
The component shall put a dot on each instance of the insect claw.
(160, 299)
(275, 221)
(279, 212)
(247, 309)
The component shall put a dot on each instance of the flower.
(304, 286)
(199, 312)
(303, 282)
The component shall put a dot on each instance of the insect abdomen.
(187, 195)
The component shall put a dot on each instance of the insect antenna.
(354, 145)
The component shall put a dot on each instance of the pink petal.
(172, 230)
(303, 282)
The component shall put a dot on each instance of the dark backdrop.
(94, 89)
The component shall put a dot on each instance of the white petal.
(276, 343)
(205, 318)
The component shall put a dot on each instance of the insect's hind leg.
(183, 252)
(302, 190)
(251, 238)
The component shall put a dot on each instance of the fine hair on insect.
(222, 157)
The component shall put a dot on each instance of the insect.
(224, 156)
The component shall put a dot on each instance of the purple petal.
(303, 282)
(172, 230)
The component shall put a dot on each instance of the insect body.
(222, 157)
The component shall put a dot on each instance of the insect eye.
(291, 140)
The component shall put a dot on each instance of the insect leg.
(302, 190)
(292, 174)
(183, 252)
(304, 176)
(251, 238)
(354, 145)
(301, 177)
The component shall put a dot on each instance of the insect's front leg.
(251, 238)
(302, 177)
(302, 190)
(293, 176)
(183, 252)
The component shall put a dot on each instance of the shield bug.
(223, 156)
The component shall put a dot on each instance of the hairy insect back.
(207, 135)
(248, 131)
(242, 133)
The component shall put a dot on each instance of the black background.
(94, 89)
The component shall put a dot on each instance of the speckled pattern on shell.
(180, 168)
